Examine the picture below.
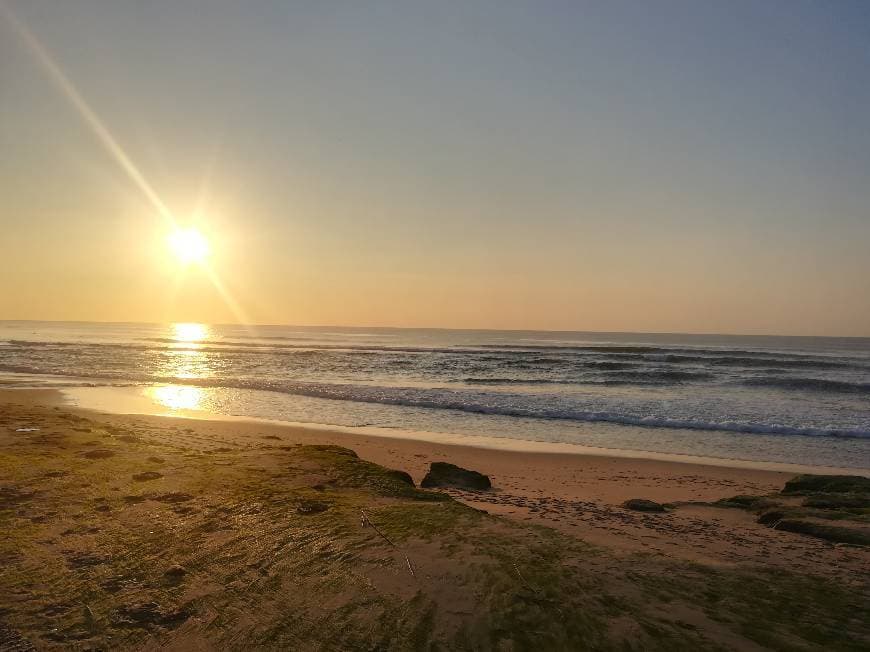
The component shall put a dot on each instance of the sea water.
(802, 400)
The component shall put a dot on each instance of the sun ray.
(228, 299)
(113, 147)
(90, 117)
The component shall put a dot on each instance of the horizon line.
(433, 328)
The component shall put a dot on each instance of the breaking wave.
(809, 384)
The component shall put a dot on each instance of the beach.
(100, 507)
(437, 327)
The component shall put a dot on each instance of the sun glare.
(189, 332)
(177, 397)
(189, 245)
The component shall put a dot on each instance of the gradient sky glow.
(640, 166)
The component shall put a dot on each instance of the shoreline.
(535, 486)
(144, 407)
(608, 477)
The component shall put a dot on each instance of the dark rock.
(307, 507)
(643, 505)
(755, 503)
(156, 460)
(770, 517)
(832, 533)
(837, 501)
(742, 501)
(147, 475)
(827, 484)
(444, 474)
(175, 572)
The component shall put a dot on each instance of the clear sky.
(641, 166)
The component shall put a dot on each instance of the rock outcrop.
(444, 474)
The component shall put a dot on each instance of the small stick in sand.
(366, 521)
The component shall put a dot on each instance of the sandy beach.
(437, 327)
(578, 494)
(102, 510)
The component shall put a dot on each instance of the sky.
(676, 166)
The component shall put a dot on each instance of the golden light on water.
(183, 359)
(190, 332)
(177, 397)
(183, 363)
(188, 245)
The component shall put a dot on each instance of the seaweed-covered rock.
(741, 502)
(770, 517)
(837, 501)
(444, 474)
(827, 484)
(643, 505)
(330, 449)
(834, 533)
(401, 476)
(341, 467)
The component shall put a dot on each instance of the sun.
(188, 245)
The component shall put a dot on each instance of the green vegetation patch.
(401, 521)
(838, 501)
(746, 502)
(827, 484)
(777, 609)
(346, 469)
(837, 534)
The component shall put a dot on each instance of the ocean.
(799, 400)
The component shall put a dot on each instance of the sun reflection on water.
(183, 357)
(177, 397)
(185, 364)
(190, 332)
